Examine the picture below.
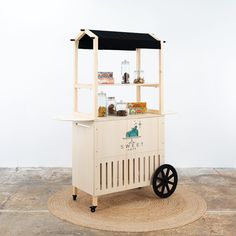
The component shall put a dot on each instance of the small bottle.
(102, 104)
(125, 72)
(111, 106)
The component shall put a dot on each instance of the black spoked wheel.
(164, 181)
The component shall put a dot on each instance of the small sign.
(133, 135)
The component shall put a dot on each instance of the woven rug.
(137, 210)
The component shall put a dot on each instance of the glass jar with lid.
(138, 77)
(111, 106)
(102, 104)
(121, 108)
(125, 72)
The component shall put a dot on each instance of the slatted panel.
(128, 169)
(125, 173)
(117, 174)
(151, 166)
(136, 171)
(106, 175)
(112, 177)
(120, 174)
(146, 168)
(100, 176)
(157, 161)
(162, 158)
(109, 180)
(139, 178)
(154, 162)
(114, 174)
(103, 176)
(131, 171)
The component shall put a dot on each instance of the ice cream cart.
(134, 155)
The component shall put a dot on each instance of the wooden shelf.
(90, 86)
(85, 117)
(76, 116)
(129, 117)
(131, 84)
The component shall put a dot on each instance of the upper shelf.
(89, 86)
(131, 84)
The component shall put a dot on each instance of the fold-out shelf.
(76, 116)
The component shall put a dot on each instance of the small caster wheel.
(93, 208)
(74, 197)
(164, 181)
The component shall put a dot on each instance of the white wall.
(36, 71)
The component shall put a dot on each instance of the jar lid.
(125, 62)
(122, 102)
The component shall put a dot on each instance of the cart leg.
(74, 193)
(94, 204)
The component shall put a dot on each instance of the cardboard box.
(137, 107)
(105, 78)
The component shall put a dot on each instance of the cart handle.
(82, 125)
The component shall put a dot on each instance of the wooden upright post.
(161, 89)
(138, 68)
(76, 75)
(95, 76)
(75, 108)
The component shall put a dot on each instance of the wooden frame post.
(76, 75)
(94, 201)
(138, 68)
(75, 98)
(74, 190)
(76, 49)
(95, 77)
(161, 89)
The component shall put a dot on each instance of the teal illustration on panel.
(133, 132)
(132, 138)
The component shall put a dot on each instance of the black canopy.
(112, 40)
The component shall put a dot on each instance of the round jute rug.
(137, 210)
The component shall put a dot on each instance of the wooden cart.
(104, 163)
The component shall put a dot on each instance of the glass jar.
(102, 104)
(138, 77)
(122, 109)
(111, 106)
(125, 72)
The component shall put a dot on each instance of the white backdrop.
(36, 72)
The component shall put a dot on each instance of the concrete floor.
(24, 193)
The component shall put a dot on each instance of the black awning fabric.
(112, 40)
